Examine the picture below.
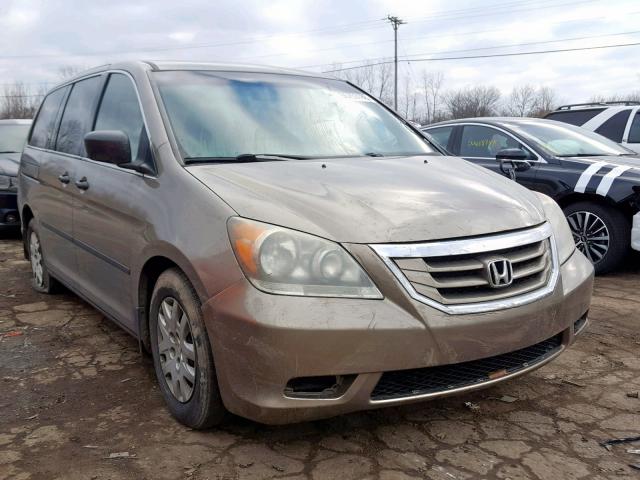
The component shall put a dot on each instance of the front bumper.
(261, 342)
(635, 232)
(9, 217)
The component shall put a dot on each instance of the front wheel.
(182, 355)
(601, 233)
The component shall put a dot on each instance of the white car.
(618, 121)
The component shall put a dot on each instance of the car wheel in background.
(601, 233)
(182, 355)
(41, 280)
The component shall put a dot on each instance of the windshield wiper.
(9, 151)
(581, 155)
(245, 158)
(373, 154)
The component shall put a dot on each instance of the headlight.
(8, 183)
(288, 262)
(561, 230)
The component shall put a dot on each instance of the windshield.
(13, 137)
(225, 114)
(563, 140)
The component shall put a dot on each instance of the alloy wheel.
(35, 254)
(590, 234)
(176, 349)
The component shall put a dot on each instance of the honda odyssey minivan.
(286, 246)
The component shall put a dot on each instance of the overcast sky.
(37, 37)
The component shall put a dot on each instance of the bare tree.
(19, 101)
(633, 96)
(480, 101)
(546, 101)
(374, 79)
(65, 72)
(432, 90)
(521, 102)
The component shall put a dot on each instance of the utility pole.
(395, 23)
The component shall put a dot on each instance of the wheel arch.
(26, 215)
(151, 269)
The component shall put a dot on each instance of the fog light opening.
(327, 386)
(579, 324)
(11, 218)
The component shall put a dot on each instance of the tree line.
(423, 100)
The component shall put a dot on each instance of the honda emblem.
(500, 273)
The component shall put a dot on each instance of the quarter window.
(119, 110)
(634, 132)
(77, 116)
(613, 128)
(485, 142)
(46, 119)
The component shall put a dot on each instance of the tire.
(601, 221)
(182, 355)
(41, 279)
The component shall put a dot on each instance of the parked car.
(618, 121)
(286, 246)
(13, 134)
(595, 181)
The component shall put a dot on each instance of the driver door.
(480, 144)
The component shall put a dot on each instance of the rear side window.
(119, 110)
(634, 133)
(46, 119)
(613, 128)
(574, 117)
(78, 116)
(441, 135)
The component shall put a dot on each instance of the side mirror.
(112, 146)
(108, 146)
(513, 160)
(512, 154)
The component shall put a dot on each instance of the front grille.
(464, 278)
(430, 380)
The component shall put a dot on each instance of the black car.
(13, 134)
(595, 181)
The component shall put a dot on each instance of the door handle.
(82, 184)
(64, 178)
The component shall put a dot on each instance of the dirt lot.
(74, 390)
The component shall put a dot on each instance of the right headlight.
(561, 231)
(287, 262)
(8, 183)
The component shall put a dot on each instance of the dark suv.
(13, 134)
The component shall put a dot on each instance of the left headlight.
(287, 262)
(560, 226)
(8, 183)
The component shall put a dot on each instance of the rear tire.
(182, 355)
(602, 233)
(41, 279)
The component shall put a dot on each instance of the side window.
(46, 119)
(574, 117)
(634, 132)
(120, 110)
(485, 142)
(613, 128)
(441, 135)
(77, 116)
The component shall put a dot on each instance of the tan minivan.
(286, 246)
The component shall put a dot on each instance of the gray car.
(288, 248)
(13, 135)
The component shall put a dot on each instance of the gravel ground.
(74, 391)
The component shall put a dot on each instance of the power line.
(515, 54)
(509, 45)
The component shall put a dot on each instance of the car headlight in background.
(8, 183)
(288, 262)
(561, 231)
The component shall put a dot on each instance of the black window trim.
(630, 114)
(539, 158)
(63, 106)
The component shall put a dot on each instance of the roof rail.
(598, 104)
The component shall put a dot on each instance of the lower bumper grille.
(423, 381)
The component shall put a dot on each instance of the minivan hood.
(375, 200)
(9, 163)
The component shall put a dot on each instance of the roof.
(15, 121)
(489, 120)
(163, 65)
